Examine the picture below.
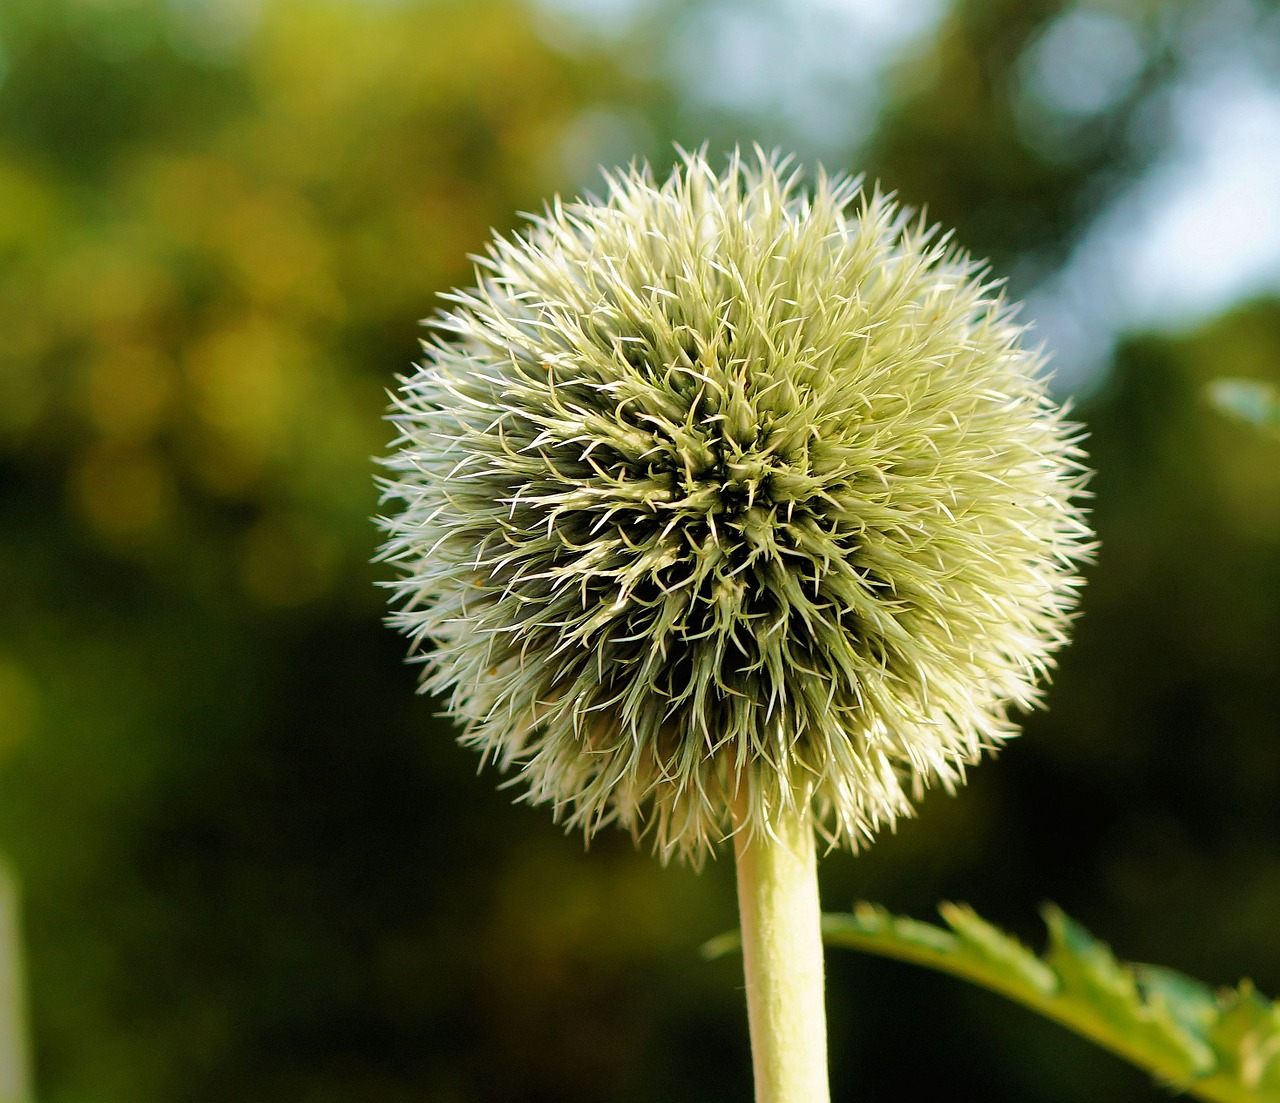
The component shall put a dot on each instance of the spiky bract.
(715, 483)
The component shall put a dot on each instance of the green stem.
(782, 958)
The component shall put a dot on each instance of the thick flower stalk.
(718, 491)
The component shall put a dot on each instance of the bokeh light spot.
(277, 255)
(242, 386)
(110, 286)
(129, 388)
(19, 704)
(122, 491)
(1083, 63)
(26, 203)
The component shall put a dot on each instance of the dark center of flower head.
(686, 533)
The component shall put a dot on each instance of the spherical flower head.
(720, 490)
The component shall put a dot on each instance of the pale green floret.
(715, 482)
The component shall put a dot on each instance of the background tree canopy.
(254, 865)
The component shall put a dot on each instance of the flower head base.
(715, 487)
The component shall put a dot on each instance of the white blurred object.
(814, 67)
(1207, 223)
(1197, 233)
(15, 1053)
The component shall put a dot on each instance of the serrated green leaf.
(1247, 1036)
(1250, 400)
(999, 950)
(1192, 1003)
(1100, 998)
(1221, 1046)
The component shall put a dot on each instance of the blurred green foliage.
(255, 866)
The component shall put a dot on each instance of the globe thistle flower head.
(719, 489)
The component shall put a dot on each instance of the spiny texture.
(716, 483)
